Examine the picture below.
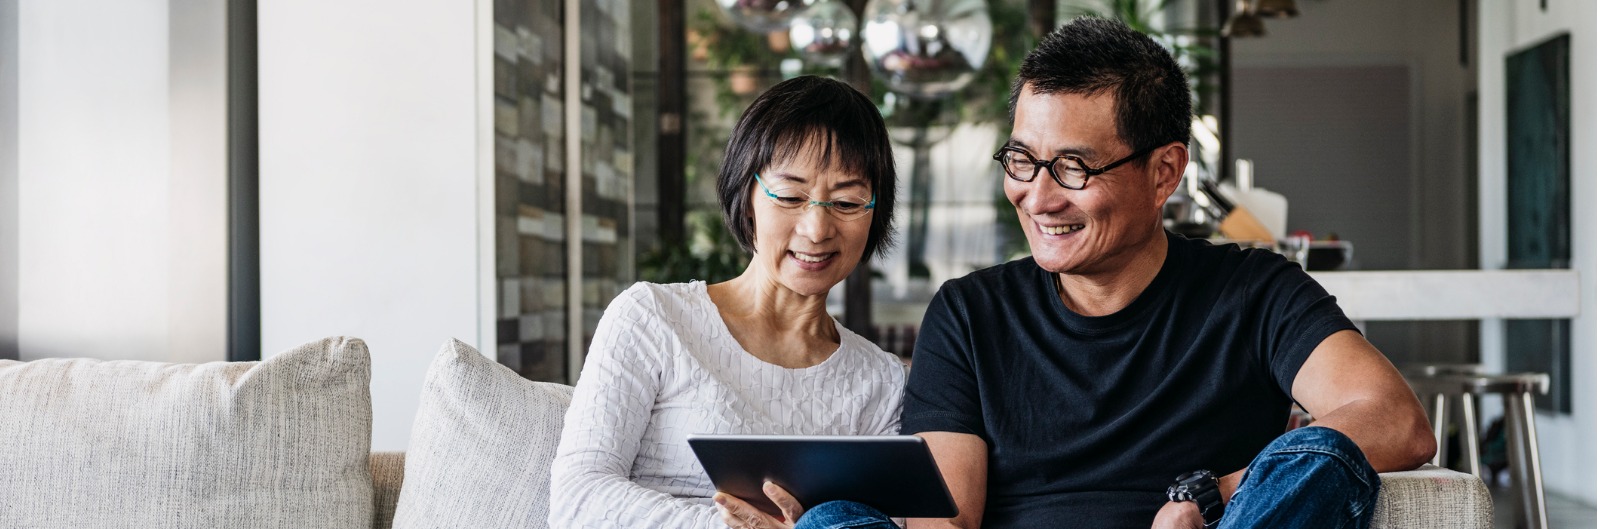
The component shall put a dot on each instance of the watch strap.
(1200, 487)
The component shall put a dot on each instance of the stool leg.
(1469, 432)
(1523, 440)
(1441, 427)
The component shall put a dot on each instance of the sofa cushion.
(278, 443)
(1432, 497)
(481, 446)
(388, 472)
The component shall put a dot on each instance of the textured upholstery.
(1427, 497)
(481, 446)
(1432, 497)
(388, 472)
(285, 443)
(110, 444)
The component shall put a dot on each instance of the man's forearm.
(964, 463)
(936, 523)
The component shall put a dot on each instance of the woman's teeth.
(810, 258)
(1059, 230)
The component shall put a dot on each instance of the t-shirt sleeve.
(1298, 315)
(942, 389)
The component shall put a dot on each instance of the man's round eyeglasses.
(1068, 170)
(796, 201)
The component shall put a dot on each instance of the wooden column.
(1041, 17)
(670, 144)
(1224, 167)
(858, 286)
(244, 197)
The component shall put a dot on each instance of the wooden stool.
(1442, 384)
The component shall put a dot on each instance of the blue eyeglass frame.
(809, 202)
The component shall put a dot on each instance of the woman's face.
(806, 247)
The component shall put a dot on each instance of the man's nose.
(1043, 194)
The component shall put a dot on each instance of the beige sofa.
(284, 443)
(1429, 497)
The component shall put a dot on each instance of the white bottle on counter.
(1271, 208)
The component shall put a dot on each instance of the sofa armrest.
(388, 472)
(1432, 497)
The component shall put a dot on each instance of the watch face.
(1188, 486)
(1196, 478)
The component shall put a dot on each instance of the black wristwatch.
(1199, 487)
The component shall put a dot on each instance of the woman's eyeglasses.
(796, 201)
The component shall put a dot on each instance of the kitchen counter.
(1454, 294)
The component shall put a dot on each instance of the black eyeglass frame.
(1050, 165)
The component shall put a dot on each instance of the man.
(1068, 389)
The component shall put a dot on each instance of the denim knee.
(842, 515)
(1308, 477)
(1327, 442)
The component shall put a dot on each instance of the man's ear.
(1168, 162)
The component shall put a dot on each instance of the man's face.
(1097, 229)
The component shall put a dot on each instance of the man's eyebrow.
(1081, 152)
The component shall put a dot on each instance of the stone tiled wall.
(531, 207)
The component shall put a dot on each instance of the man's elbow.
(1419, 444)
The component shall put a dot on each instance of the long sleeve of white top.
(590, 483)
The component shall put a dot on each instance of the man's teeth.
(1058, 230)
(810, 258)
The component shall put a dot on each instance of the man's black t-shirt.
(1088, 419)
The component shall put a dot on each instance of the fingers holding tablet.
(791, 507)
(740, 515)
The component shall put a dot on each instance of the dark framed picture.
(1539, 202)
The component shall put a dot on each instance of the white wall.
(369, 161)
(369, 182)
(120, 181)
(1567, 442)
(1414, 213)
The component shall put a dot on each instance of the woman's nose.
(816, 223)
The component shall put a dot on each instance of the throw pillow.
(278, 443)
(481, 446)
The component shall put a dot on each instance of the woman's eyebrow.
(787, 176)
(853, 182)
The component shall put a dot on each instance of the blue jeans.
(1308, 477)
(844, 515)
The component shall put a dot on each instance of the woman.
(808, 189)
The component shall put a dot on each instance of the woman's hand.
(740, 515)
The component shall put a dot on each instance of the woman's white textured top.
(663, 365)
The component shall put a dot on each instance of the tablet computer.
(894, 474)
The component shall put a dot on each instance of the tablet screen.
(893, 474)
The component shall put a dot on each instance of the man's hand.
(1179, 515)
(740, 515)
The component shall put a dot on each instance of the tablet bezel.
(895, 474)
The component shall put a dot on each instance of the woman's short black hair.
(782, 123)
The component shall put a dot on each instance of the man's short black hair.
(1089, 56)
(808, 111)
